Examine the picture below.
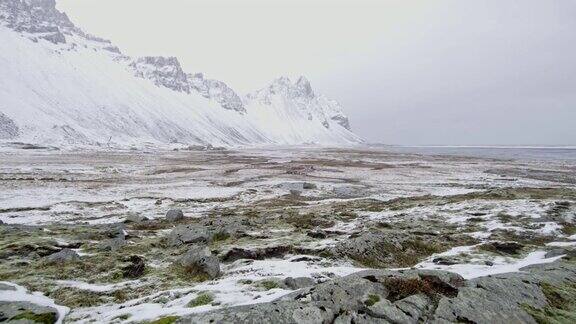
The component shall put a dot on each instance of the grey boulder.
(299, 282)
(200, 261)
(135, 218)
(174, 215)
(64, 256)
(188, 234)
(25, 312)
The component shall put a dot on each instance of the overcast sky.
(447, 72)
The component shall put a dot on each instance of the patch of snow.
(500, 265)
(22, 294)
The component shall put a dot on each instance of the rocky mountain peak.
(216, 90)
(304, 87)
(167, 72)
(39, 19)
(163, 71)
(283, 85)
(300, 96)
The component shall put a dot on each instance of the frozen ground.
(269, 214)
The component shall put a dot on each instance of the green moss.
(220, 236)
(372, 299)
(245, 281)
(386, 254)
(188, 274)
(123, 317)
(47, 318)
(165, 320)
(561, 305)
(202, 299)
(269, 284)
(568, 229)
(74, 298)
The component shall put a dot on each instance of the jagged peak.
(160, 61)
(304, 86)
(41, 19)
(163, 71)
(284, 86)
(218, 91)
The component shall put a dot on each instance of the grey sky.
(407, 72)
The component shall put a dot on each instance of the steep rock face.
(216, 90)
(8, 128)
(163, 71)
(37, 17)
(167, 72)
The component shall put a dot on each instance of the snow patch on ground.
(22, 294)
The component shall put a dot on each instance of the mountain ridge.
(87, 92)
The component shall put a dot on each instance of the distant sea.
(532, 153)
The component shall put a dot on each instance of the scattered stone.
(64, 256)
(488, 263)
(309, 186)
(555, 253)
(236, 226)
(135, 218)
(301, 169)
(199, 261)
(503, 247)
(294, 192)
(4, 286)
(444, 261)
(267, 252)
(299, 282)
(174, 215)
(135, 268)
(26, 312)
(318, 234)
(297, 186)
(188, 234)
(387, 249)
(305, 259)
(114, 244)
(115, 231)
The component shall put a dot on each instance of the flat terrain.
(308, 214)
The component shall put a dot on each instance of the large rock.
(174, 215)
(4, 286)
(64, 256)
(135, 218)
(188, 234)
(299, 282)
(409, 296)
(236, 226)
(256, 253)
(114, 244)
(25, 312)
(199, 261)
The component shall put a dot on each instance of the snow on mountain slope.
(61, 86)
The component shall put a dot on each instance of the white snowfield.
(62, 87)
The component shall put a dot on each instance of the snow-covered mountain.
(61, 86)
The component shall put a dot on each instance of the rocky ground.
(287, 235)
